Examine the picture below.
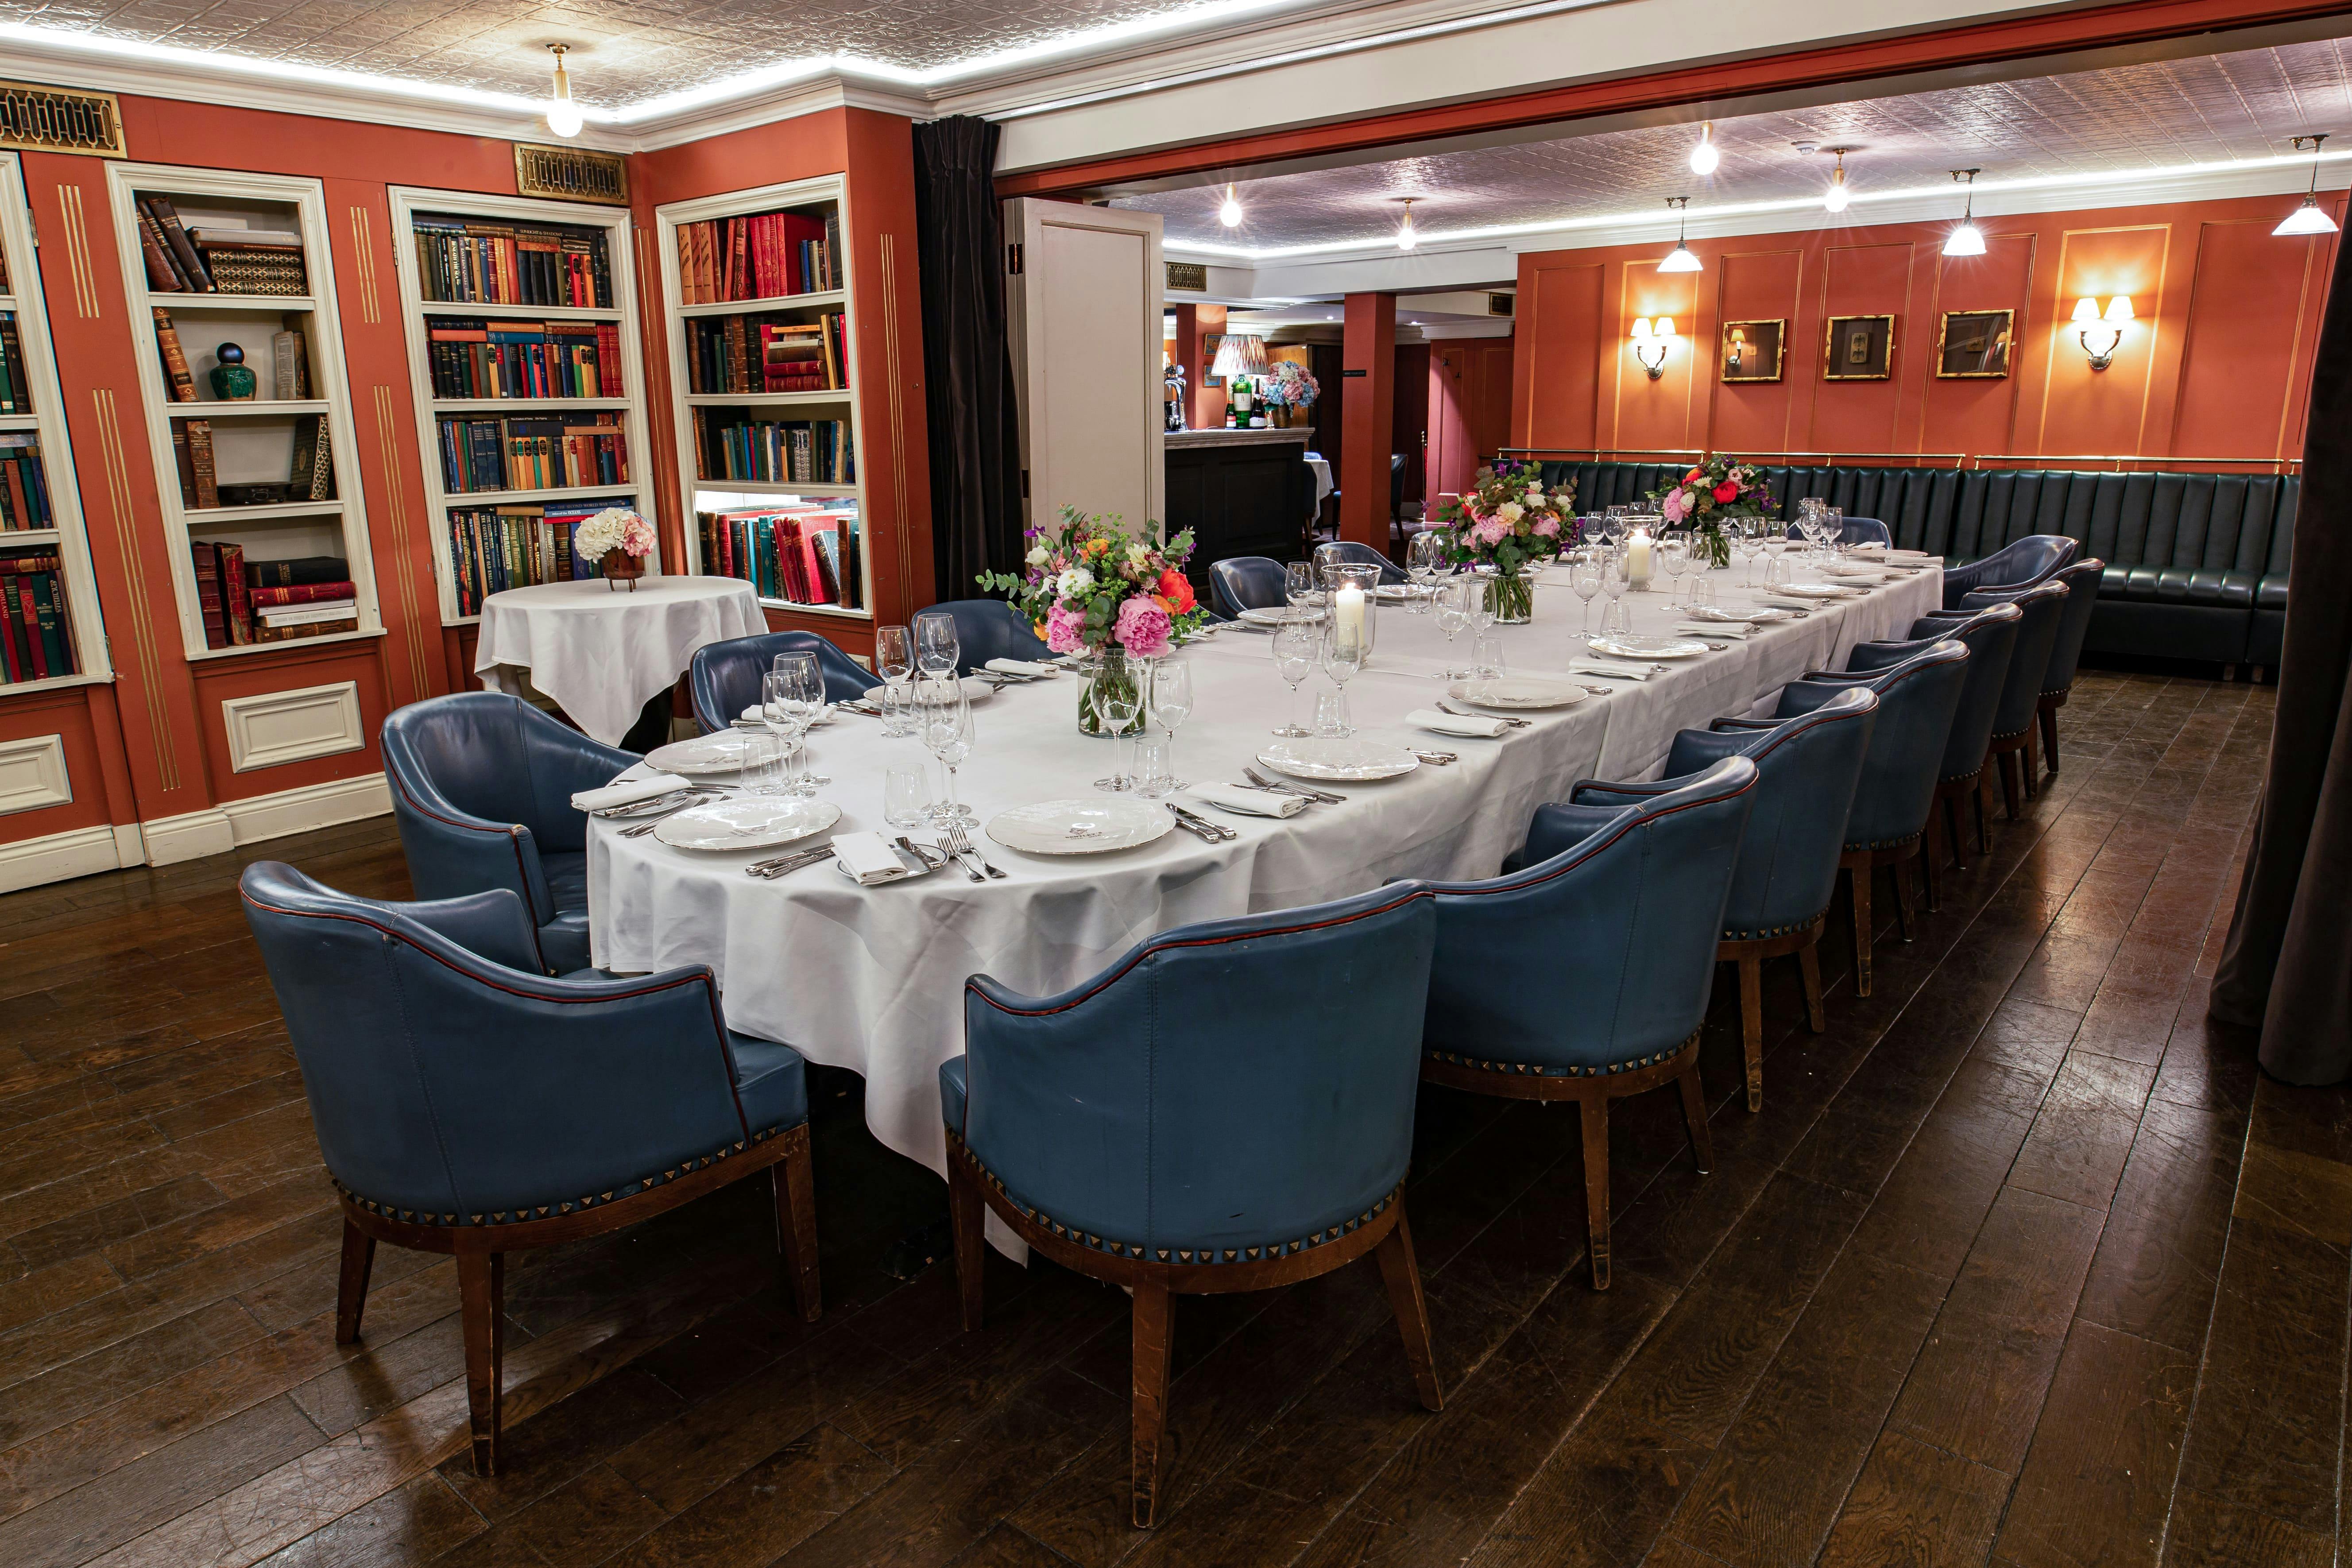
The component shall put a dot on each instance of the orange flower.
(1175, 595)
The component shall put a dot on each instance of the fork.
(1323, 795)
(1445, 707)
(960, 844)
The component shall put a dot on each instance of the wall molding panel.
(32, 774)
(281, 726)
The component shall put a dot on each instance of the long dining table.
(871, 978)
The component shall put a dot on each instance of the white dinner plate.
(1274, 614)
(1353, 759)
(746, 822)
(1516, 691)
(975, 689)
(1628, 645)
(1080, 826)
(1392, 593)
(721, 754)
(1814, 590)
(1908, 556)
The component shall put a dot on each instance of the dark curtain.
(975, 432)
(2288, 964)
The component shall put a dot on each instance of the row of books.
(24, 485)
(525, 359)
(289, 362)
(245, 602)
(495, 548)
(15, 390)
(532, 454)
(761, 256)
(36, 629)
(472, 262)
(746, 353)
(800, 554)
(223, 256)
(309, 473)
(728, 445)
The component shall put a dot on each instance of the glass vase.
(1512, 596)
(1109, 673)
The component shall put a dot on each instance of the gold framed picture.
(1972, 345)
(1858, 348)
(1752, 350)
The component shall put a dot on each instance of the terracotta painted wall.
(2217, 365)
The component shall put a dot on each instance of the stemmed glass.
(1118, 697)
(944, 724)
(1299, 584)
(1616, 578)
(1747, 538)
(1171, 699)
(784, 722)
(1425, 560)
(1296, 645)
(800, 690)
(1455, 601)
(1612, 525)
(1344, 653)
(894, 653)
(1673, 554)
(937, 651)
(1584, 574)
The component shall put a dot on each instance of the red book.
(608, 358)
(31, 622)
(306, 593)
(237, 602)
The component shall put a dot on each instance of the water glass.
(1702, 592)
(1487, 660)
(1155, 776)
(1331, 714)
(946, 728)
(897, 703)
(784, 722)
(1171, 700)
(894, 653)
(906, 801)
(1673, 554)
(1298, 644)
(1584, 574)
(1119, 702)
(801, 690)
(936, 650)
(1299, 584)
(1454, 601)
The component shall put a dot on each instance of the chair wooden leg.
(2032, 761)
(1903, 894)
(1751, 1027)
(1809, 966)
(481, 1298)
(1984, 810)
(1403, 1276)
(2050, 740)
(794, 1177)
(1593, 1123)
(350, 1289)
(2010, 794)
(1954, 835)
(1931, 871)
(1152, 1324)
(1864, 927)
(967, 1220)
(1695, 1118)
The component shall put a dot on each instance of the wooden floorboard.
(2022, 1262)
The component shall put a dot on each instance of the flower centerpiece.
(1716, 489)
(1506, 519)
(1085, 588)
(618, 540)
(1291, 388)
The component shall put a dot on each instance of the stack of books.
(747, 354)
(469, 261)
(246, 602)
(734, 446)
(24, 486)
(525, 359)
(223, 256)
(532, 454)
(495, 548)
(15, 393)
(798, 555)
(36, 633)
(764, 256)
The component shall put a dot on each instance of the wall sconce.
(2102, 334)
(1652, 343)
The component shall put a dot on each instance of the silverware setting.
(1322, 795)
(960, 845)
(670, 802)
(786, 865)
(1445, 707)
(1200, 828)
(1438, 758)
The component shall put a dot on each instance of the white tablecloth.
(872, 979)
(1322, 467)
(603, 652)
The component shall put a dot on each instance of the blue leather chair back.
(2021, 564)
(2043, 607)
(1602, 955)
(991, 629)
(2082, 579)
(1348, 552)
(1917, 701)
(1991, 637)
(1865, 531)
(1232, 1084)
(725, 676)
(446, 1081)
(1242, 583)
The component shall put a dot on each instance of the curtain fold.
(2287, 967)
(975, 433)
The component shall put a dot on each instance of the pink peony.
(1677, 506)
(1062, 629)
(1549, 527)
(1492, 531)
(1143, 627)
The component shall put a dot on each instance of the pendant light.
(1230, 214)
(1705, 158)
(2310, 218)
(562, 114)
(1680, 259)
(1967, 239)
(1837, 195)
(1406, 239)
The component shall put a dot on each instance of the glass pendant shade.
(2308, 218)
(1966, 240)
(1680, 259)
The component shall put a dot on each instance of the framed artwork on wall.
(1973, 346)
(1751, 351)
(1210, 344)
(1858, 348)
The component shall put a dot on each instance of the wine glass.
(946, 728)
(1456, 599)
(1344, 654)
(1584, 573)
(803, 691)
(1612, 525)
(1423, 563)
(1616, 579)
(1746, 540)
(1171, 698)
(1297, 643)
(894, 653)
(784, 722)
(1118, 697)
(1299, 584)
(937, 651)
(1673, 554)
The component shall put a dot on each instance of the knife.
(1215, 832)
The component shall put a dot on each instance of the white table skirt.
(602, 652)
(872, 980)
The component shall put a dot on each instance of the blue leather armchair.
(1781, 889)
(1347, 553)
(2028, 561)
(725, 676)
(2082, 579)
(1990, 637)
(1242, 583)
(991, 628)
(1585, 975)
(481, 791)
(467, 1106)
(1228, 1107)
(1865, 531)
(2044, 605)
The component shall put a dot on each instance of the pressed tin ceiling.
(2117, 119)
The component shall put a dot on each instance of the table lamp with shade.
(1240, 361)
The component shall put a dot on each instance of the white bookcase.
(418, 313)
(252, 441)
(69, 538)
(818, 198)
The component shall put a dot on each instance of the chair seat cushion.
(771, 1081)
(2269, 593)
(951, 1094)
(567, 878)
(563, 941)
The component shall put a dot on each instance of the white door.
(1084, 288)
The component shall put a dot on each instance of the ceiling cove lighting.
(1705, 159)
(1836, 198)
(2310, 218)
(1680, 259)
(1967, 239)
(1230, 214)
(1406, 239)
(563, 116)
(1652, 343)
(2101, 333)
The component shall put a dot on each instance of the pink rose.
(1143, 627)
(1062, 629)
(1549, 527)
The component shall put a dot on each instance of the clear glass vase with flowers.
(1715, 492)
(1505, 522)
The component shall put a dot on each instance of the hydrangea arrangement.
(1291, 384)
(1504, 520)
(614, 527)
(1714, 490)
(1086, 587)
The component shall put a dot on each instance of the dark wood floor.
(2021, 1262)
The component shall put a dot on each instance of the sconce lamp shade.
(2086, 309)
(2119, 309)
(1242, 353)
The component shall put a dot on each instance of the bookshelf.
(253, 443)
(462, 512)
(693, 321)
(64, 536)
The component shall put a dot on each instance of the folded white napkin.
(1866, 550)
(1246, 802)
(869, 857)
(1717, 613)
(627, 793)
(1796, 604)
(1714, 629)
(1610, 667)
(752, 715)
(1456, 723)
(1019, 667)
